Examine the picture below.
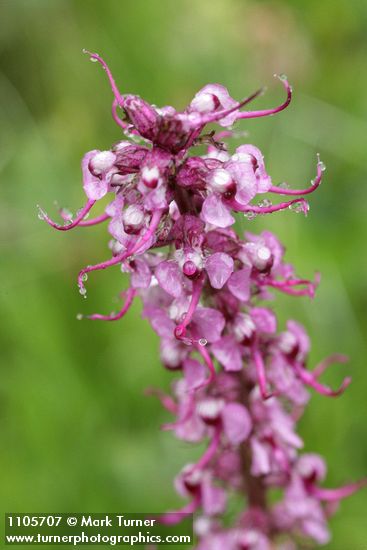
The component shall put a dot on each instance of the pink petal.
(94, 187)
(208, 323)
(239, 283)
(170, 277)
(237, 423)
(213, 498)
(215, 212)
(219, 267)
(264, 319)
(195, 373)
(228, 353)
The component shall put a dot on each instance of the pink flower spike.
(261, 374)
(315, 184)
(304, 206)
(116, 92)
(309, 379)
(267, 112)
(78, 220)
(130, 294)
(331, 495)
(325, 364)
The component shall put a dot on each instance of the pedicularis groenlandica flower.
(243, 383)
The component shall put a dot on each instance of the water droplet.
(41, 213)
(282, 76)
(203, 342)
(265, 203)
(250, 215)
(66, 214)
(283, 185)
(79, 316)
(322, 166)
(82, 291)
(299, 207)
(84, 277)
(93, 59)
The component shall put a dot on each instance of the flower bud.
(101, 162)
(133, 218)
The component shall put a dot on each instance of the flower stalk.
(242, 381)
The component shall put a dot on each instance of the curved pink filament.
(97, 267)
(217, 115)
(166, 400)
(325, 364)
(209, 363)
(223, 134)
(261, 374)
(331, 495)
(309, 379)
(267, 112)
(115, 116)
(78, 220)
(286, 286)
(186, 415)
(236, 206)
(154, 222)
(317, 181)
(130, 294)
(171, 518)
(94, 221)
(124, 125)
(114, 87)
(210, 451)
(180, 329)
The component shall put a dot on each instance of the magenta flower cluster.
(244, 382)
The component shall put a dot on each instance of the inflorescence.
(244, 382)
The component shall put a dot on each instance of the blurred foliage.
(77, 432)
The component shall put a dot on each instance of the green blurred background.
(76, 431)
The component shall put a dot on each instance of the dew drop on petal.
(282, 76)
(82, 291)
(79, 316)
(283, 185)
(203, 342)
(84, 277)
